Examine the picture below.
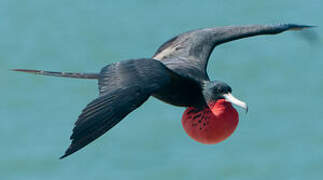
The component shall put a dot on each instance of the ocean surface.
(280, 77)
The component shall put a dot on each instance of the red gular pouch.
(212, 124)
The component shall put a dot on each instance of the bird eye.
(220, 90)
(230, 90)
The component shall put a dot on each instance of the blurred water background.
(280, 77)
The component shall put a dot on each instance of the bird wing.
(189, 52)
(124, 86)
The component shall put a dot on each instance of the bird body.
(177, 75)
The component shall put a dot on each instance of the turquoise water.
(280, 77)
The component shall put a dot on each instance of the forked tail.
(61, 74)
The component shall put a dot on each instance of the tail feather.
(61, 74)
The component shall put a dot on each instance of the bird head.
(216, 90)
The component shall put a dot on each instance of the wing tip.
(62, 157)
(67, 153)
(299, 27)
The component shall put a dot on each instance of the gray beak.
(229, 97)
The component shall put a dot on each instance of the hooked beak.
(229, 97)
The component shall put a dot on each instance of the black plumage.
(176, 74)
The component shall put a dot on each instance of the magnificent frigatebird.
(177, 75)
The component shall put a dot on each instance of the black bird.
(176, 74)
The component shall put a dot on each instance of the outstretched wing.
(124, 86)
(190, 51)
